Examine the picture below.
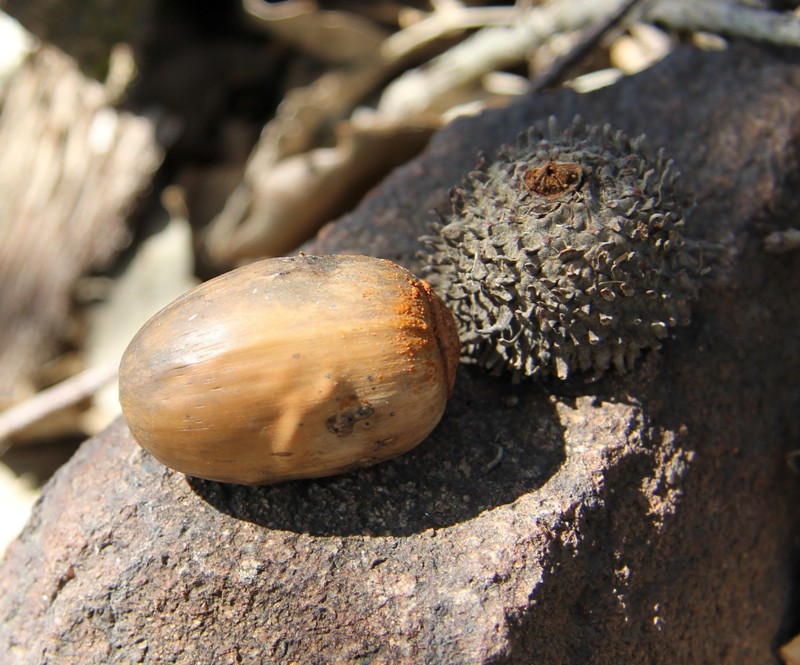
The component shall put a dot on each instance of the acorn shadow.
(496, 442)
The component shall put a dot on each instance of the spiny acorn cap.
(565, 254)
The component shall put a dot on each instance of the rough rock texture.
(644, 518)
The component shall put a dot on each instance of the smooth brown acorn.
(291, 368)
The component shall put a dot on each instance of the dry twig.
(333, 36)
(727, 18)
(582, 48)
(419, 90)
(447, 19)
(58, 397)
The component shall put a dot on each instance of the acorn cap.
(565, 254)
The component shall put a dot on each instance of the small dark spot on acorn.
(342, 424)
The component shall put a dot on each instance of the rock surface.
(643, 518)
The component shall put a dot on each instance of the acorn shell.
(566, 254)
(291, 368)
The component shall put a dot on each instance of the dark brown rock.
(642, 518)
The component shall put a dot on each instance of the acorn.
(565, 254)
(290, 368)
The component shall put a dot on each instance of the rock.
(646, 517)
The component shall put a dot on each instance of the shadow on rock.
(495, 443)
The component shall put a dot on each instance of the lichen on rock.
(565, 253)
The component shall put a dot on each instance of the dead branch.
(418, 90)
(58, 397)
(727, 18)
